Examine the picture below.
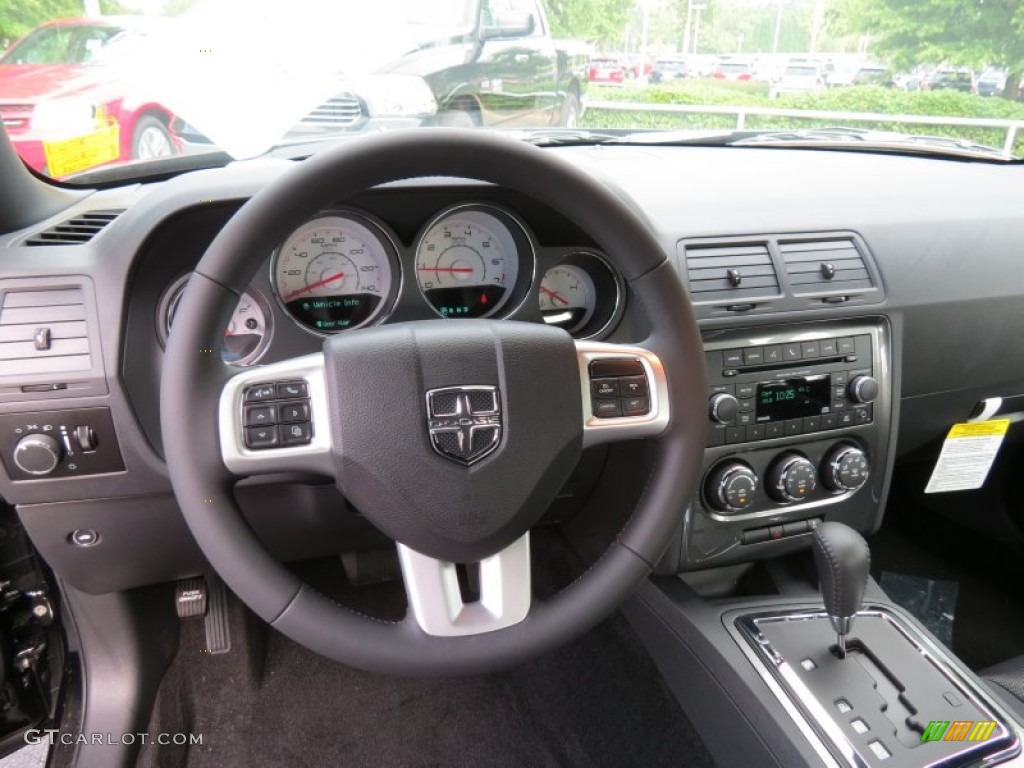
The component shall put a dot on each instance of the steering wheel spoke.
(625, 392)
(274, 418)
(435, 598)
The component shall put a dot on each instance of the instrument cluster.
(345, 269)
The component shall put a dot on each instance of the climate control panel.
(799, 431)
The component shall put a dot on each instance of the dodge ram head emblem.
(464, 422)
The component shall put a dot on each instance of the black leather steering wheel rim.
(193, 376)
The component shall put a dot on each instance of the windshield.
(176, 84)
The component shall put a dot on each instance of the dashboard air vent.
(824, 266)
(729, 274)
(43, 331)
(75, 231)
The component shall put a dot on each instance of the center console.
(799, 426)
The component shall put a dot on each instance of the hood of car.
(36, 82)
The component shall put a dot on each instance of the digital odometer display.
(335, 273)
(794, 398)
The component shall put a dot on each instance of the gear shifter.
(842, 558)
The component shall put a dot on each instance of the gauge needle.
(554, 295)
(445, 269)
(317, 284)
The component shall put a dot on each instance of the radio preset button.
(716, 436)
(829, 421)
(846, 418)
(794, 427)
(812, 423)
(735, 435)
(775, 429)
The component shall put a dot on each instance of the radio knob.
(37, 454)
(791, 478)
(863, 389)
(845, 468)
(732, 487)
(723, 408)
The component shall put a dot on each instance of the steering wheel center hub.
(453, 437)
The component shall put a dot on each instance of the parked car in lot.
(733, 70)
(606, 71)
(669, 69)
(992, 82)
(61, 92)
(950, 80)
(873, 75)
(798, 78)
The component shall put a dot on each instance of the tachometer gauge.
(467, 261)
(248, 333)
(335, 272)
(567, 297)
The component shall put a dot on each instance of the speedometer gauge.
(467, 261)
(335, 272)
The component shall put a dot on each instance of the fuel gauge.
(567, 297)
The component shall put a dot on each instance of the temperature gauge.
(567, 297)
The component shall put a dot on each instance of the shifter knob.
(842, 558)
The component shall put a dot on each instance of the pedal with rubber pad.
(206, 597)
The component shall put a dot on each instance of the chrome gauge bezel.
(387, 241)
(526, 255)
(609, 291)
(172, 295)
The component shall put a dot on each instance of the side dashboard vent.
(76, 230)
(43, 332)
(730, 274)
(818, 267)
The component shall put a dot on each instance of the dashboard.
(853, 307)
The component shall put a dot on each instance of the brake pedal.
(206, 597)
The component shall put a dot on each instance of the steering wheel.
(450, 436)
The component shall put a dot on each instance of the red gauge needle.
(557, 296)
(317, 284)
(445, 269)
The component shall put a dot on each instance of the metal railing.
(742, 113)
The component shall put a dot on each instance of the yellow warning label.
(68, 156)
(994, 428)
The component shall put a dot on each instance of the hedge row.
(857, 99)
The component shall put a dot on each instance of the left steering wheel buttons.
(261, 437)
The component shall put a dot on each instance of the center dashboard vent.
(77, 230)
(817, 267)
(731, 273)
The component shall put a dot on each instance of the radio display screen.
(794, 398)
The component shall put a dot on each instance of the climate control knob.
(723, 408)
(845, 468)
(863, 389)
(37, 454)
(732, 487)
(791, 478)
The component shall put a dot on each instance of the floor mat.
(599, 701)
(989, 623)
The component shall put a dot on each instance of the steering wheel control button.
(290, 390)
(600, 369)
(296, 434)
(292, 412)
(258, 415)
(607, 409)
(635, 406)
(258, 438)
(732, 487)
(259, 393)
(791, 478)
(634, 386)
(605, 388)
